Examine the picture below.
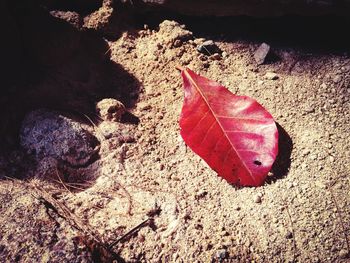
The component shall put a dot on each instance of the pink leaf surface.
(235, 135)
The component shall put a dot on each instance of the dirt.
(301, 214)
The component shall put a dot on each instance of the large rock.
(247, 7)
(50, 134)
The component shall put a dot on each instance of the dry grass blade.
(69, 185)
(62, 183)
(143, 223)
(95, 126)
(63, 211)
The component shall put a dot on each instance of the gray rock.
(261, 53)
(208, 48)
(50, 134)
(221, 254)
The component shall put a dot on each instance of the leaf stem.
(178, 67)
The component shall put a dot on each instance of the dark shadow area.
(320, 34)
(128, 117)
(51, 64)
(282, 163)
(272, 57)
(80, 6)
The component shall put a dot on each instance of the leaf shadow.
(282, 163)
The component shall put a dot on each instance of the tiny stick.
(178, 67)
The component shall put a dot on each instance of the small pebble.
(177, 43)
(271, 75)
(343, 254)
(331, 159)
(261, 53)
(337, 78)
(257, 199)
(215, 56)
(221, 254)
(323, 86)
(304, 166)
(110, 109)
(144, 106)
(289, 235)
(309, 109)
(208, 48)
(199, 41)
(345, 68)
(313, 157)
(306, 152)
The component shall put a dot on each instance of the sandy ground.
(301, 214)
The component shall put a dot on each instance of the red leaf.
(234, 134)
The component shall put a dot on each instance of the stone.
(221, 254)
(271, 75)
(257, 199)
(199, 41)
(208, 48)
(47, 133)
(337, 78)
(261, 53)
(177, 43)
(215, 56)
(289, 235)
(72, 18)
(323, 86)
(343, 254)
(309, 109)
(110, 109)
